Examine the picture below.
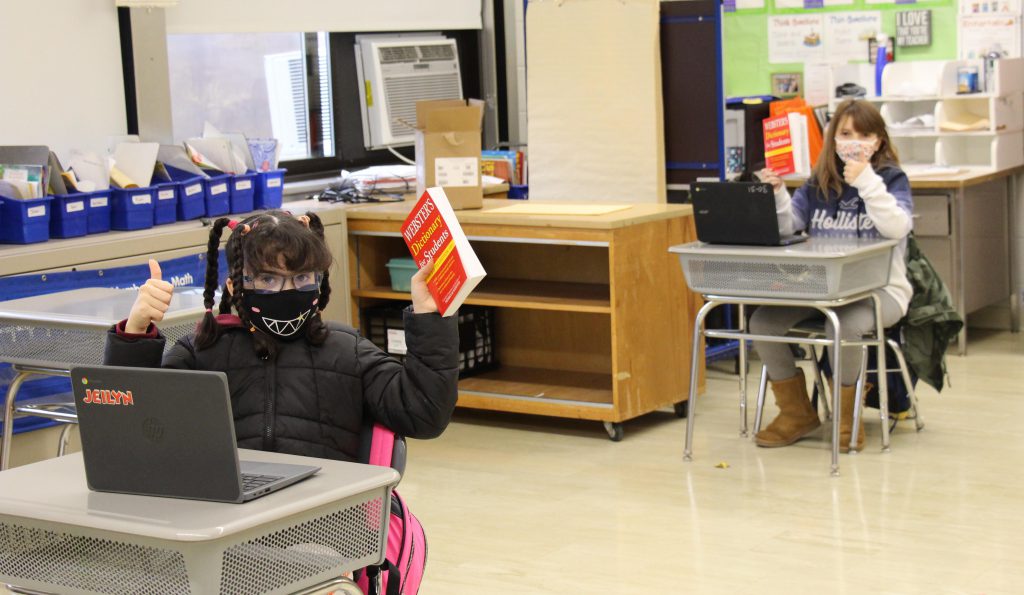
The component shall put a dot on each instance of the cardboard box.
(448, 150)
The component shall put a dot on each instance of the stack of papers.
(392, 179)
(232, 152)
(23, 172)
(964, 122)
(920, 122)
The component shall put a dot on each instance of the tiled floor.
(517, 504)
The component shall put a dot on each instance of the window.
(260, 84)
(301, 88)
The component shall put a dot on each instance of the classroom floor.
(518, 504)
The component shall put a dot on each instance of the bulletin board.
(745, 32)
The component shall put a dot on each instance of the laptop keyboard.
(251, 481)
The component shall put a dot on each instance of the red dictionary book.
(778, 145)
(432, 231)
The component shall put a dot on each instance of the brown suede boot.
(846, 402)
(796, 416)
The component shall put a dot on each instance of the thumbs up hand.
(152, 302)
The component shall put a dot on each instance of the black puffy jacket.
(315, 400)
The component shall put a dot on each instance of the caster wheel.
(614, 430)
(682, 409)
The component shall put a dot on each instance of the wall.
(62, 74)
(249, 16)
(747, 71)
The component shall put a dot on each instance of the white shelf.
(930, 88)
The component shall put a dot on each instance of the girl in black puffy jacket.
(299, 385)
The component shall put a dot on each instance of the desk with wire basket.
(45, 335)
(57, 536)
(821, 273)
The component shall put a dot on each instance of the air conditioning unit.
(397, 71)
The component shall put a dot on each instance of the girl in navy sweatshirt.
(857, 190)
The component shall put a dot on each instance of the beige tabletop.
(55, 490)
(970, 176)
(634, 214)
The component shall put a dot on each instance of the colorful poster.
(983, 7)
(796, 38)
(979, 35)
(847, 34)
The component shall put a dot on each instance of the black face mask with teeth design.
(282, 315)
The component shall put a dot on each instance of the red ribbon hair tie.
(233, 224)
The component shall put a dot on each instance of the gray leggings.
(855, 320)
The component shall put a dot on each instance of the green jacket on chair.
(931, 321)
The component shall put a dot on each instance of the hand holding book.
(422, 301)
(437, 242)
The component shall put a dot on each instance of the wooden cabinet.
(593, 316)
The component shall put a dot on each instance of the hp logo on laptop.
(153, 430)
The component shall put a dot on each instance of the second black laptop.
(737, 213)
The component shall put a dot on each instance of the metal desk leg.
(883, 379)
(1011, 240)
(837, 383)
(698, 332)
(23, 372)
(743, 371)
(341, 585)
(12, 392)
(958, 267)
(762, 388)
(62, 442)
(858, 394)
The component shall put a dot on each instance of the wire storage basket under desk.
(71, 327)
(93, 542)
(818, 269)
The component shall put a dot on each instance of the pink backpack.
(406, 554)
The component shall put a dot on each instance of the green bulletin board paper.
(747, 71)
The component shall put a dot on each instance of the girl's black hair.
(267, 240)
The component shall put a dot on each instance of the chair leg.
(858, 405)
(905, 372)
(823, 396)
(762, 388)
(62, 442)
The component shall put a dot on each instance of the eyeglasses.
(273, 283)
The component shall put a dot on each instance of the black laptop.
(160, 432)
(737, 213)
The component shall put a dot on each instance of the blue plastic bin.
(191, 199)
(191, 193)
(131, 208)
(69, 215)
(99, 211)
(269, 189)
(519, 191)
(25, 221)
(243, 192)
(218, 194)
(165, 209)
